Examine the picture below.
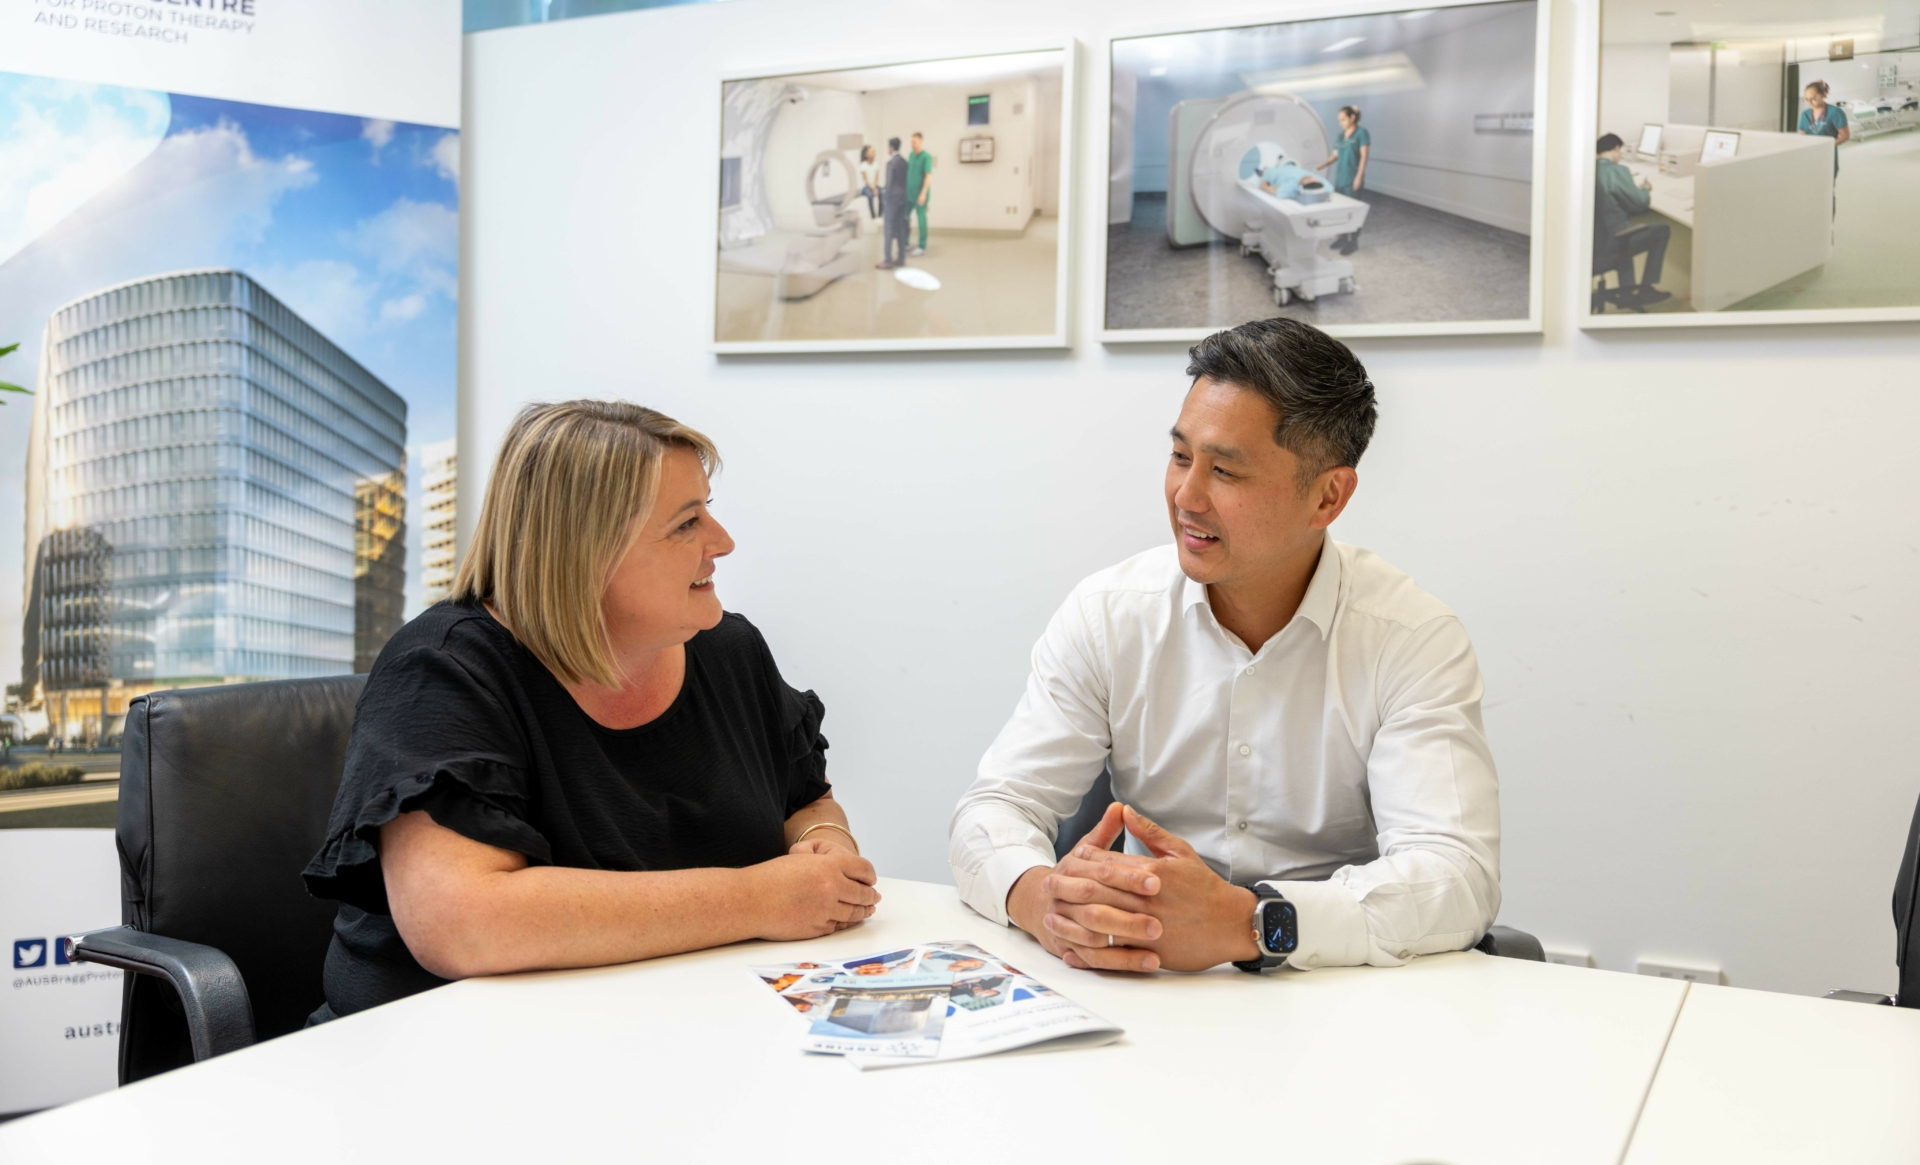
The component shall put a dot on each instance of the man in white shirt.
(1285, 717)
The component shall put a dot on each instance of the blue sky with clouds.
(351, 222)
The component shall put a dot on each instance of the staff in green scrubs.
(1824, 121)
(919, 185)
(1349, 160)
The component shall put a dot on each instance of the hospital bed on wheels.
(1886, 115)
(1240, 168)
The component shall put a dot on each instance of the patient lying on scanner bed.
(1286, 179)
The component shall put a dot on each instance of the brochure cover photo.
(936, 1001)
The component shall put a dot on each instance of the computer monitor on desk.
(1649, 146)
(1720, 143)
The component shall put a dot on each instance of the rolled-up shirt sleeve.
(1435, 797)
(1039, 767)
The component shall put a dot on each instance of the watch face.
(1279, 931)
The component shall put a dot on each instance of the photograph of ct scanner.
(1755, 163)
(1366, 172)
(910, 205)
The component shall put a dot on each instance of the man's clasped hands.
(1104, 910)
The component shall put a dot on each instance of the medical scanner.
(801, 261)
(820, 255)
(1241, 168)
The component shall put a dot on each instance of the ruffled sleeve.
(806, 749)
(429, 733)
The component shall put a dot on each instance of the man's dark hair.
(1316, 384)
(1608, 141)
(893, 144)
(1352, 111)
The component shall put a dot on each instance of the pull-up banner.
(228, 257)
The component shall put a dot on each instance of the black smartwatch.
(1276, 929)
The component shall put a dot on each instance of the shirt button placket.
(1239, 779)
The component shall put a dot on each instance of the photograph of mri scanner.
(819, 255)
(1221, 186)
(1373, 173)
(1768, 224)
(798, 248)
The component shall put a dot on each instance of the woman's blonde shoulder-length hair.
(570, 481)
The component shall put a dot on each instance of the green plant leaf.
(8, 348)
(5, 387)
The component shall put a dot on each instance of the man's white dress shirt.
(1344, 761)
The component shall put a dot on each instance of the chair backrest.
(224, 798)
(1092, 807)
(1906, 901)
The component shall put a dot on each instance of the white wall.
(1688, 559)
(1633, 89)
(1046, 145)
(993, 196)
(1425, 149)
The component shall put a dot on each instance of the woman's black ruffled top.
(458, 719)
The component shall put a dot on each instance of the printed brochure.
(936, 1001)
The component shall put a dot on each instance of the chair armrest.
(1860, 997)
(1507, 943)
(212, 993)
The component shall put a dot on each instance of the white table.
(1453, 1058)
(1755, 1077)
(1671, 195)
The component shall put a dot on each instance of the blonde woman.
(579, 758)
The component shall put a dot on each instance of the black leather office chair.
(1504, 941)
(1906, 936)
(224, 797)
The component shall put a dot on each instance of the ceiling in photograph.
(953, 71)
(1307, 43)
(1895, 23)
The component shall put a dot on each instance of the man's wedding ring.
(1109, 940)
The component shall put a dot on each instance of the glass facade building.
(215, 492)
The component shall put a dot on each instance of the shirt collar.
(1323, 593)
(1317, 606)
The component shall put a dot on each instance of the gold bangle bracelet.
(829, 825)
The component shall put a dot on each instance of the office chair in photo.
(224, 797)
(1617, 257)
(1503, 941)
(1906, 936)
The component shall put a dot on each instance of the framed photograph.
(1751, 163)
(896, 205)
(1374, 173)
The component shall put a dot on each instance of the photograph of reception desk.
(1752, 164)
(1776, 187)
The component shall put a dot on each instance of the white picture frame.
(1058, 336)
(1587, 56)
(1532, 323)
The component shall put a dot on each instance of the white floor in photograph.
(988, 285)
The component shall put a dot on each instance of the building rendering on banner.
(215, 492)
(439, 496)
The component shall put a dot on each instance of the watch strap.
(1262, 894)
